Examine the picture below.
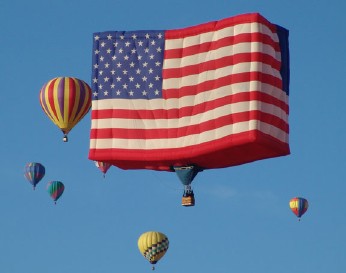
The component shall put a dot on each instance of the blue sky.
(241, 221)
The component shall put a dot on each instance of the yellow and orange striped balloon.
(65, 100)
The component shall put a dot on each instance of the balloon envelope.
(65, 100)
(299, 206)
(34, 172)
(153, 245)
(103, 166)
(55, 189)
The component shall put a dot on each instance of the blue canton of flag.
(128, 64)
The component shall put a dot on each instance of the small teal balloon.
(55, 189)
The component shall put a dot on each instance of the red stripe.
(223, 42)
(189, 110)
(71, 97)
(219, 63)
(225, 152)
(217, 25)
(50, 91)
(163, 133)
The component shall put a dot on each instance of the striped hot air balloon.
(153, 246)
(34, 172)
(299, 206)
(65, 100)
(55, 189)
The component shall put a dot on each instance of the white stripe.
(186, 101)
(215, 35)
(196, 79)
(253, 47)
(190, 120)
(185, 141)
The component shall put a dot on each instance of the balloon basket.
(188, 201)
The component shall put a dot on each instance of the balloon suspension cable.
(187, 189)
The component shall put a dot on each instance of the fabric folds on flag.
(213, 95)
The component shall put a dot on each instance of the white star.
(106, 79)
(159, 35)
(153, 42)
(94, 80)
(134, 36)
(103, 44)
(131, 79)
(133, 51)
(147, 36)
(144, 93)
(119, 65)
(157, 78)
(118, 79)
(109, 51)
(97, 51)
(122, 37)
(144, 78)
(125, 72)
(146, 50)
(97, 38)
(145, 64)
(139, 57)
(132, 64)
(109, 37)
(102, 58)
(157, 92)
(112, 85)
(113, 72)
(127, 44)
(131, 93)
(157, 63)
(151, 71)
(105, 93)
(118, 92)
(138, 85)
(107, 65)
(115, 44)
(158, 49)
(121, 50)
(114, 57)
(126, 57)
(138, 71)
(125, 86)
(100, 72)
(95, 94)
(151, 85)
(96, 66)
(100, 86)
(151, 56)
(140, 43)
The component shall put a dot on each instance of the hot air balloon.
(65, 100)
(299, 206)
(186, 175)
(193, 110)
(55, 189)
(103, 166)
(34, 172)
(153, 246)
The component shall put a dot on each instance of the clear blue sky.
(241, 221)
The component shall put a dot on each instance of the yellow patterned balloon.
(153, 245)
